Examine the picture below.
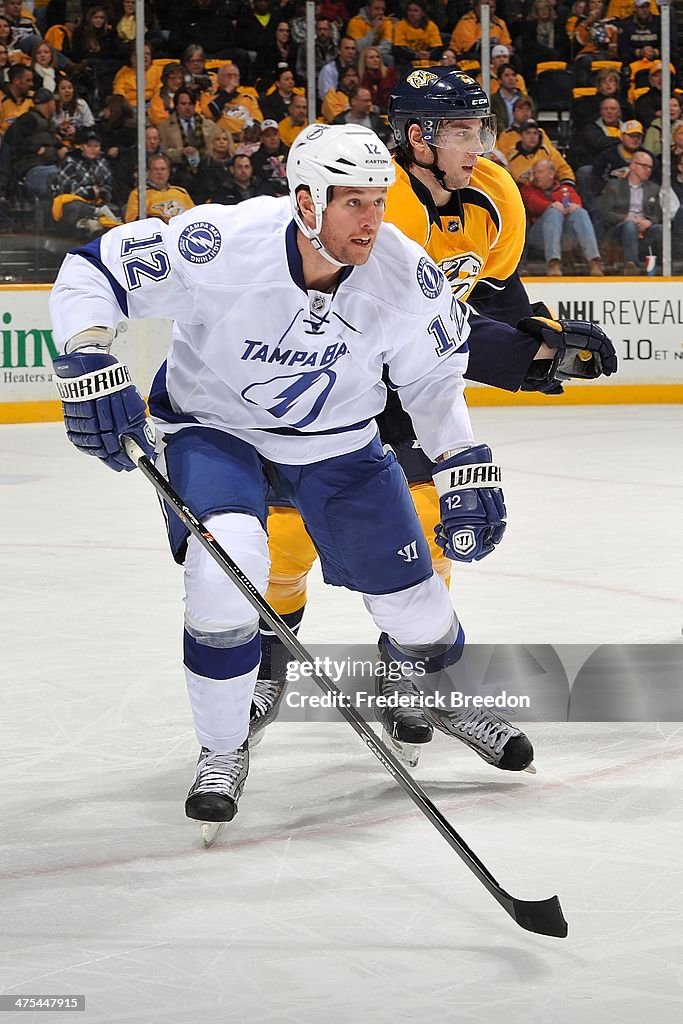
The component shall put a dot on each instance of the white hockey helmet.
(325, 155)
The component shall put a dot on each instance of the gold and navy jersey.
(477, 239)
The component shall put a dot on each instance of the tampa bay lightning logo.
(302, 395)
(200, 242)
(429, 278)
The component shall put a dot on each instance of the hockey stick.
(542, 916)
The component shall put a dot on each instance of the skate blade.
(256, 739)
(531, 769)
(210, 831)
(407, 753)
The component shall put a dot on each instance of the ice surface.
(330, 899)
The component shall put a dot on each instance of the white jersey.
(294, 372)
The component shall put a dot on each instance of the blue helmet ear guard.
(428, 96)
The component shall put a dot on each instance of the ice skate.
(216, 790)
(489, 735)
(404, 724)
(265, 707)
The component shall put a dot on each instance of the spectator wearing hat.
(162, 200)
(614, 161)
(230, 104)
(556, 216)
(337, 100)
(275, 103)
(417, 40)
(500, 57)
(270, 159)
(16, 99)
(632, 214)
(530, 149)
(522, 110)
(295, 122)
(85, 187)
(506, 95)
(640, 35)
(360, 112)
(36, 146)
(466, 36)
(371, 27)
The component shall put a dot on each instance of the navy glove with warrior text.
(100, 403)
(584, 352)
(472, 507)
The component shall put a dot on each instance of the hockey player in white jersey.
(284, 320)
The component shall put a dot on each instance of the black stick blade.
(544, 917)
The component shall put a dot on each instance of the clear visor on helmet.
(473, 135)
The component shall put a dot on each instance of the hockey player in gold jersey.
(468, 214)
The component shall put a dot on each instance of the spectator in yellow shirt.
(161, 104)
(231, 105)
(530, 149)
(295, 122)
(161, 199)
(370, 27)
(125, 83)
(125, 26)
(16, 100)
(337, 100)
(417, 40)
(466, 37)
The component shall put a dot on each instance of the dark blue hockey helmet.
(431, 96)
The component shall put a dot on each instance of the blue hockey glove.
(472, 506)
(584, 352)
(100, 403)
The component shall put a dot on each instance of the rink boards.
(644, 318)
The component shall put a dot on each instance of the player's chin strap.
(438, 173)
(313, 234)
